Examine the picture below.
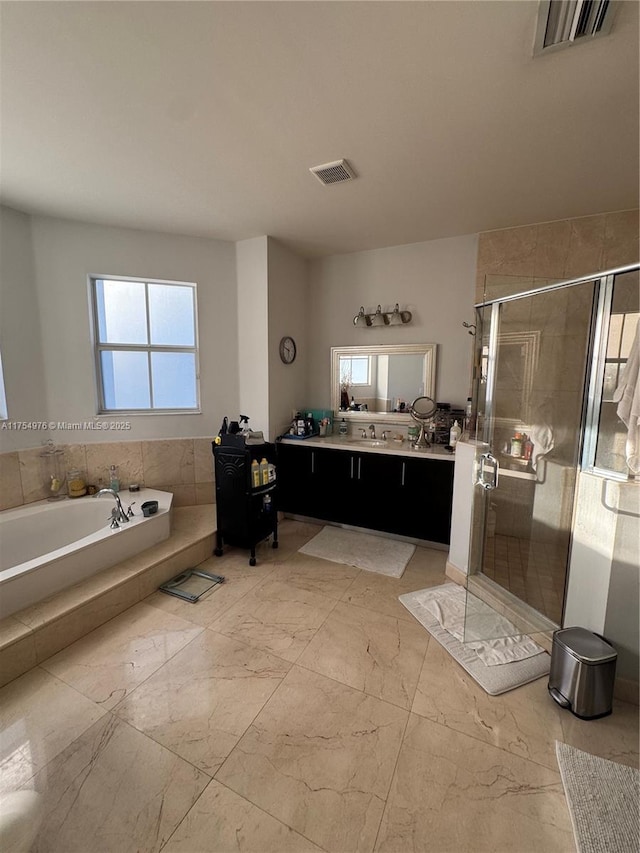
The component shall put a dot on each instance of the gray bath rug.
(493, 679)
(603, 799)
(362, 550)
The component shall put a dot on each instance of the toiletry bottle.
(516, 445)
(255, 474)
(343, 429)
(527, 448)
(454, 434)
(467, 423)
(264, 472)
(114, 482)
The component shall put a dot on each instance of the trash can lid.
(586, 645)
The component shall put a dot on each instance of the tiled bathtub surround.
(182, 466)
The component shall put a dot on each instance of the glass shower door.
(532, 355)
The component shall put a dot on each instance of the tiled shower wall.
(568, 248)
(183, 466)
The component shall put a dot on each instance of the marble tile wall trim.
(183, 466)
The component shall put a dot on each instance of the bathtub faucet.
(120, 514)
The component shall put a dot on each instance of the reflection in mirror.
(381, 380)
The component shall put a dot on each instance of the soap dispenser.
(454, 434)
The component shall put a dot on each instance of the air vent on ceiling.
(565, 22)
(334, 173)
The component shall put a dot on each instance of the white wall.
(253, 332)
(20, 331)
(288, 309)
(434, 280)
(65, 254)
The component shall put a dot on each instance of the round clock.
(287, 349)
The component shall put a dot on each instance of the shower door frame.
(592, 397)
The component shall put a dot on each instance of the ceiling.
(204, 118)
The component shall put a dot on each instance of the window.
(606, 433)
(145, 345)
(355, 370)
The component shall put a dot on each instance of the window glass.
(126, 379)
(171, 315)
(122, 314)
(354, 370)
(612, 432)
(174, 380)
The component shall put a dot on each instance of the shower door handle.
(488, 468)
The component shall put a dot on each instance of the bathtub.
(46, 547)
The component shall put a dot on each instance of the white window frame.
(100, 346)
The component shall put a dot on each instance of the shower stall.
(547, 359)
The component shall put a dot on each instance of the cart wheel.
(252, 561)
(217, 552)
(275, 543)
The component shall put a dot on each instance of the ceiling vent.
(565, 22)
(334, 173)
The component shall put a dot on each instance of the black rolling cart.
(246, 514)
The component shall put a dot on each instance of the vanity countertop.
(366, 445)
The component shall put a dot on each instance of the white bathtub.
(46, 547)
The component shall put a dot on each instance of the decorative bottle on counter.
(344, 429)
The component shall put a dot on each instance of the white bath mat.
(493, 679)
(362, 550)
(450, 605)
(603, 801)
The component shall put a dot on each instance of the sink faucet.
(120, 514)
(363, 433)
(372, 430)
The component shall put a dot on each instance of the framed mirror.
(380, 382)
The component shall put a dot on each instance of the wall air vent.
(565, 22)
(334, 173)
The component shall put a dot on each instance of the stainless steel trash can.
(583, 668)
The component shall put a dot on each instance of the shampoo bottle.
(255, 474)
(264, 472)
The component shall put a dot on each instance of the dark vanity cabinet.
(393, 493)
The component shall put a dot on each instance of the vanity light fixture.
(382, 318)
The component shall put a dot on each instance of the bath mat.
(362, 550)
(493, 679)
(452, 607)
(603, 799)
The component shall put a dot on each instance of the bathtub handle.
(114, 523)
(130, 512)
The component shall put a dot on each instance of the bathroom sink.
(369, 442)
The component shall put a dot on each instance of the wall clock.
(287, 349)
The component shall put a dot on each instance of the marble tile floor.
(298, 707)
